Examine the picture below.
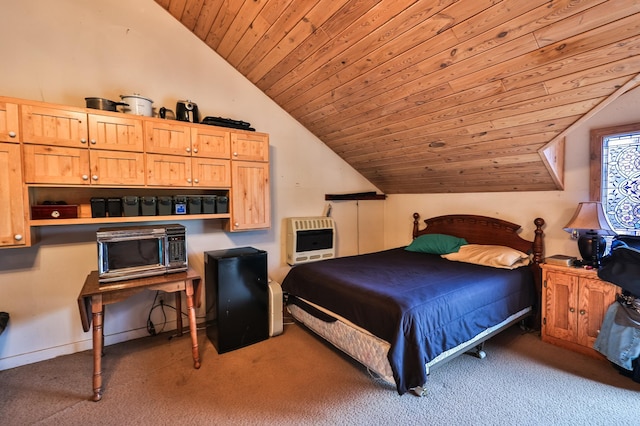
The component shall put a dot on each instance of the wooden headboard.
(483, 230)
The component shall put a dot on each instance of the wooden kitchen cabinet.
(116, 132)
(14, 231)
(81, 166)
(250, 197)
(167, 137)
(210, 142)
(57, 152)
(250, 146)
(76, 128)
(9, 122)
(180, 171)
(574, 303)
(56, 126)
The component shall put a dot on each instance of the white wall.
(555, 207)
(64, 51)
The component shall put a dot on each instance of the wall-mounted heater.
(310, 239)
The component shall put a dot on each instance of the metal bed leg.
(478, 351)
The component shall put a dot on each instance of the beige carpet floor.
(296, 379)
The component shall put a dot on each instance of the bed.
(400, 313)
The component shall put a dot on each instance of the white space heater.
(275, 308)
(310, 239)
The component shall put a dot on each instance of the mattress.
(372, 351)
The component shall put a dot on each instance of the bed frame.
(489, 230)
(476, 230)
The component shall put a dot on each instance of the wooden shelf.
(355, 196)
(126, 219)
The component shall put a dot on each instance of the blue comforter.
(420, 303)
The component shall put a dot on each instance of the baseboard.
(71, 348)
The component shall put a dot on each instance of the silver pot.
(138, 105)
(104, 104)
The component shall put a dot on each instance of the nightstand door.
(595, 298)
(561, 305)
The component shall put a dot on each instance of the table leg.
(192, 323)
(98, 344)
(178, 313)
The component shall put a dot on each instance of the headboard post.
(538, 246)
(416, 225)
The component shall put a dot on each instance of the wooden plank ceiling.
(430, 96)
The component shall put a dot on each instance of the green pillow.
(436, 244)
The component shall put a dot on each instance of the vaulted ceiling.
(429, 96)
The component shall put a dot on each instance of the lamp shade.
(589, 217)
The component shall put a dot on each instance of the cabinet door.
(13, 228)
(116, 168)
(248, 146)
(55, 165)
(9, 126)
(212, 173)
(561, 305)
(53, 126)
(250, 200)
(167, 137)
(595, 297)
(117, 133)
(168, 170)
(210, 142)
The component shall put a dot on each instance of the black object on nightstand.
(237, 295)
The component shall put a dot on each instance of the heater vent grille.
(310, 239)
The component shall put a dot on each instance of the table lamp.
(589, 224)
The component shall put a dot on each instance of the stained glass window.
(621, 182)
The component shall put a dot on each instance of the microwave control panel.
(177, 245)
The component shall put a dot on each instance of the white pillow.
(488, 255)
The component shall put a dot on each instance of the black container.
(148, 206)
(222, 204)
(194, 205)
(98, 207)
(180, 204)
(208, 204)
(114, 207)
(237, 294)
(165, 204)
(130, 205)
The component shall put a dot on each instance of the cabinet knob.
(582, 312)
(93, 141)
(236, 224)
(85, 177)
(94, 177)
(188, 149)
(196, 181)
(235, 154)
(189, 180)
(195, 150)
(12, 134)
(17, 237)
(572, 310)
(83, 140)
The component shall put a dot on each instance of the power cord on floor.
(151, 329)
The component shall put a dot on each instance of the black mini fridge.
(237, 295)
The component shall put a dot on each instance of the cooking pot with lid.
(104, 104)
(138, 105)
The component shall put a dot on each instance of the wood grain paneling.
(432, 95)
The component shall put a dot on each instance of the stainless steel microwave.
(140, 251)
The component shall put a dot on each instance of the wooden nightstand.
(574, 302)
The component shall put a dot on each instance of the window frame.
(595, 155)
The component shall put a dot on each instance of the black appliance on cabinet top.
(237, 295)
